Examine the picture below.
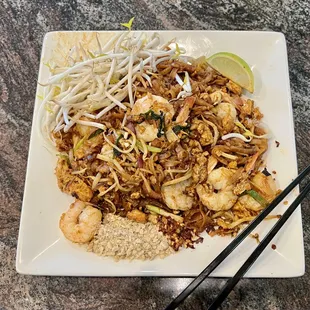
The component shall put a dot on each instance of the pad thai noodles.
(146, 133)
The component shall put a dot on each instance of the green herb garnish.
(151, 115)
(116, 152)
(179, 128)
(95, 133)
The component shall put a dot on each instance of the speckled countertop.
(22, 27)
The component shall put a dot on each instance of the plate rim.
(20, 268)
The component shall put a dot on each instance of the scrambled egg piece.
(71, 184)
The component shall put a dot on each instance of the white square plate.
(42, 249)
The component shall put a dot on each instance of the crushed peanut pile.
(121, 238)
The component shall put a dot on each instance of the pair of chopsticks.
(231, 283)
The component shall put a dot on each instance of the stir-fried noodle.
(149, 134)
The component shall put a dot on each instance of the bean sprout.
(178, 180)
(236, 135)
(86, 81)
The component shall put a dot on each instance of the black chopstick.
(204, 274)
(231, 283)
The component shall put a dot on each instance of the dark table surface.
(22, 27)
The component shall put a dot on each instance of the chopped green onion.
(261, 200)
(91, 54)
(139, 146)
(79, 144)
(65, 157)
(164, 213)
(153, 149)
(150, 148)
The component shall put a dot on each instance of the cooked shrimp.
(154, 103)
(246, 201)
(175, 198)
(265, 186)
(219, 96)
(216, 97)
(219, 180)
(227, 113)
(146, 131)
(80, 223)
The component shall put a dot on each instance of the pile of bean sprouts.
(94, 82)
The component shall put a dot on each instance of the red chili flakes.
(177, 234)
(277, 143)
(273, 246)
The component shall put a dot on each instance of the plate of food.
(150, 151)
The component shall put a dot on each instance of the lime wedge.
(234, 68)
